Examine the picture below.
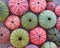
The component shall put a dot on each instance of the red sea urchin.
(37, 6)
(18, 7)
(38, 36)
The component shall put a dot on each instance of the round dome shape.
(47, 19)
(37, 6)
(3, 11)
(12, 22)
(53, 34)
(31, 46)
(51, 6)
(57, 10)
(4, 35)
(18, 7)
(49, 45)
(38, 36)
(19, 38)
(29, 20)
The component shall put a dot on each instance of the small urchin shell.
(38, 36)
(37, 6)
(12, 22)
(57, 10)
(29, 20)
(4, 35)
(53, 34)
(49, 45)
(31, 46)
(18, 7)
(47, 19)
(51, 6)
(19, 38)
(3, 11)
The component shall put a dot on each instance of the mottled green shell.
(15, 38)
(49, 45)
(3, 11)
(29, 20)
(47, 19)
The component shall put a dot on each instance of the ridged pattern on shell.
(12, 22)
(3, 11)
(38, 36)
(18, 7)
(47, 19)
(53, 34)
(29, 20)
(16, 34)
(37, 6)
(49, 45)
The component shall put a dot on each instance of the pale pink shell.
(37, 6)
(18, 7)
(38, 36)
(12, 22)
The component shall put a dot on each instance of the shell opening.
(18, 3)
(38, 2)
(30, 20)
(54, 34)
(1, 34)
(20, 38)
(12, 22)
(51, 5)
(39, 36)
(49, 18)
